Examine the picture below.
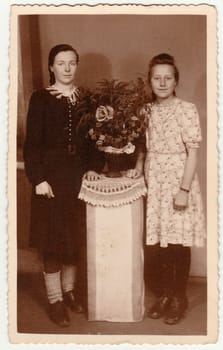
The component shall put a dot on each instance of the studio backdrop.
(112, 47)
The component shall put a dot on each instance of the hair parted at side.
(53, 52)
(163, 58)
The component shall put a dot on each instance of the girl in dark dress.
(56, 157)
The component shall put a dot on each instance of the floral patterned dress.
(172, 128)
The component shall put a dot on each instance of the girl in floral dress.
(174, 219)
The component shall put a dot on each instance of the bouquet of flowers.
(117, 114)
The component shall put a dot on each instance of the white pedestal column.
(115, 262)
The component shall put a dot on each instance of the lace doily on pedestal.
(112, 192)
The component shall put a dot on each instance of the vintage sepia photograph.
(113, 174)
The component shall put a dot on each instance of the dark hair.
(53, 52)
(163, 58)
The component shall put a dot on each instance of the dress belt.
(183, 152)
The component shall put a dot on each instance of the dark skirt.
(57, 225)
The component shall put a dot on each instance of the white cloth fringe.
(112, 192)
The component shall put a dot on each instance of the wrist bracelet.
(184, 189)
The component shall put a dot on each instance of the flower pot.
(116, 163)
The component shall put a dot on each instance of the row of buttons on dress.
(71, 147)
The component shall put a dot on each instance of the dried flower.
(104, 113)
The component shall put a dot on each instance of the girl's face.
(163, 81)
(64, 67)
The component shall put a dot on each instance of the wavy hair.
(53, 52)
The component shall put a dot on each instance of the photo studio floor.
(32, 303)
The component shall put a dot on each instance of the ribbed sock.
(68, 277)
(53, 286)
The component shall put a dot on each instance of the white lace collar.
(72, 96)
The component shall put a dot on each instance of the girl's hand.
(44, 189)
(180, 201)
(133, 173)
(92, 175)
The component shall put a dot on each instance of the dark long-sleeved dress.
(55, 152)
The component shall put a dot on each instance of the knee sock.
(53, 286)
(167, 270)
(182, 268)
(68, 277)
(175, 266)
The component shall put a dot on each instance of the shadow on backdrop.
(92, 68)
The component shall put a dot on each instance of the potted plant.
(116, 116)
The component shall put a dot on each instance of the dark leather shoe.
(58, 314)
(71, 302)
(176, 310)
(159, 308)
